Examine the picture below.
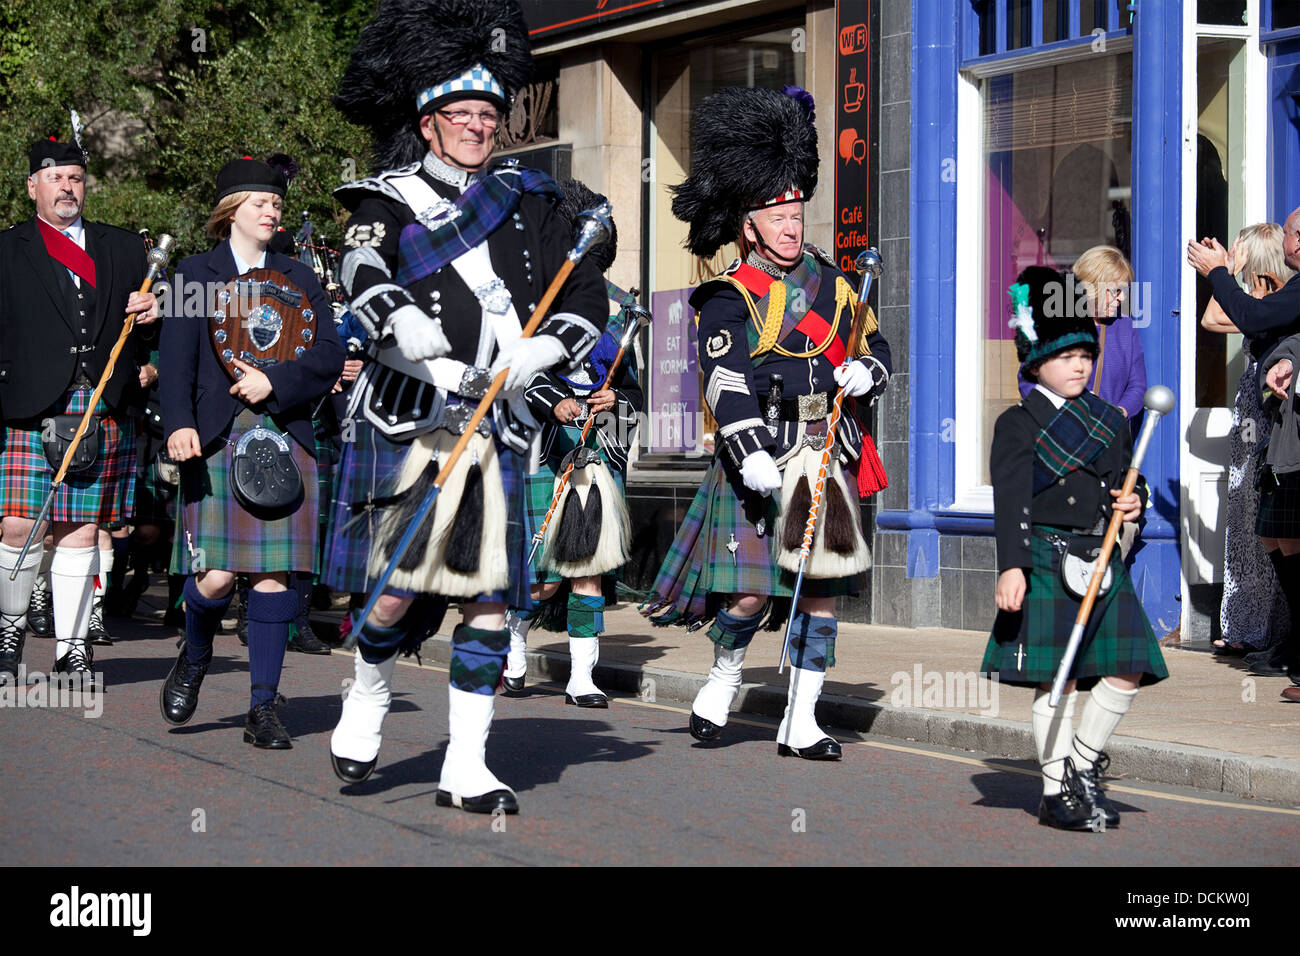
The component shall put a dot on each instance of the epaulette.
(351, 194)
(821, 254)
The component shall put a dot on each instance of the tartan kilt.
(155, 499)
(701, 561)
(102, 494)
(326, 459)
(1279, 508)
(1117, 640)
(540, 490)
(368, 469)
(215, 528)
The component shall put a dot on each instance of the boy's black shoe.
(1090, 777)
(1070, 809)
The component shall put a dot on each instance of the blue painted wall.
(939, 44)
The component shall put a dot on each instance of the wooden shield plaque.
(262, 319)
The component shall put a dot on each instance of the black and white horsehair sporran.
(593, 532)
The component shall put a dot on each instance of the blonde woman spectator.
(1249, 581)
(1120, 374)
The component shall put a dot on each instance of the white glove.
(418, 336)
(526, 357)
(759, 472)
(855, 378)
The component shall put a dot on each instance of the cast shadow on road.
(1016, 790)
(523, 752)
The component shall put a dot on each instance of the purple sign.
(674, 373)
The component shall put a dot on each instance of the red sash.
(817, 329)
(67, 253)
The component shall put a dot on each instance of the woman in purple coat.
(1120, 373)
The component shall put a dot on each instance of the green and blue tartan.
(102, 494)
(1026, 646)
(216, 531)
(369, 468)
(1081, 429)
(481, 210)
(718, 552)
(155, 499)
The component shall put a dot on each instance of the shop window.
(1016, 18)
(1056, 179)
(1286, 14)
(1230, 13)
(681, 77)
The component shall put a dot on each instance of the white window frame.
(970, 495)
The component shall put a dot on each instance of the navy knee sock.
(734, 632)
(812, 641)
(269, 614)
(202, 615)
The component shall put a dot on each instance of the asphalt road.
(626, 786)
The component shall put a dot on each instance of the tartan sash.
(1080, 431)
(799, 317)
(67, 253)
(479, 211)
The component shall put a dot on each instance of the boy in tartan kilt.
(589, 538)
(774, 348)
(66, 285)
(1057, 463)
(445, 260)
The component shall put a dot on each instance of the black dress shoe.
(1070, 809)
(514, 685)
(262, 728)
(825, 749)
(1271, 670)
(1064, 812)
(1095, 793)
(305, 641)
(598, 701)
(79, 664)
(351, 771)
(95, 630)
(705, 730)
(180, 691)
(490, 802)
(40, 613)
(12, 639)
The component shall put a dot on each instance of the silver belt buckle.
(812, 407)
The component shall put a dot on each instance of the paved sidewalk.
(1210, 725)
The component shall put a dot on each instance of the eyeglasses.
(489, 118)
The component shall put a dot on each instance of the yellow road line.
(917, 751)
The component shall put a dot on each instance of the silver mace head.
(594, 230)
(635, 318)
(1159, 399)
(869, 261)
(159, 254)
